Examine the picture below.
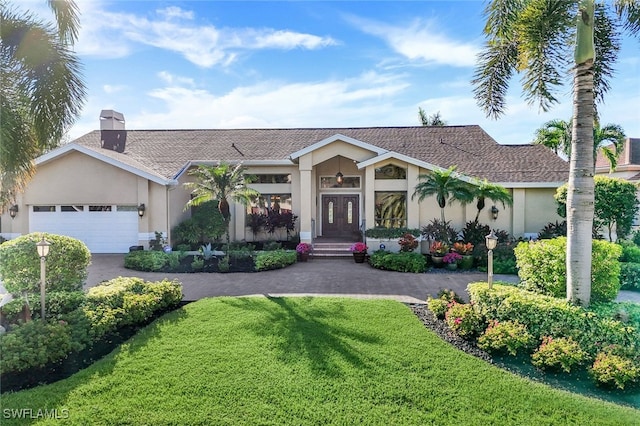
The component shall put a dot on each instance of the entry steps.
(331, 249)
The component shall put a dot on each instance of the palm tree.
(496, 193)
(221, 183)
(431, 120)
(556, 134)
(446, 185)
(535, 38)
(41, 89)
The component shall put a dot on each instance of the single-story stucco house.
(93, 187)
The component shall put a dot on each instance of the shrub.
(224, 264)
(542, 268)
(561, 353)
(198, 263)
(630, 251)
(436, 230)
(388, 233)
(630, 276)
(57, 303)
(464, 320)
(401, 262)
(611, 369)
(549, 316)
(408, 243)
(125, 301)
(205, 225)
(438, 306)
(271, 246)
(274, 259)
(506, 266)
(34, 344)
(148, 260)
(506, 336)
(67, 263)
(553, 230)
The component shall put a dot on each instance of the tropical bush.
(561, 353)
(464, 319)
(630, 251)
(206, 224)
(147, 260)
(401, 262)
(274, 259)
(408, 243)
(542, 268)
(630, 276)
(67, 263)
(505, 337)
(612, 369)
(549, 316)
(436, 230)
(34, 344)
(125, 301)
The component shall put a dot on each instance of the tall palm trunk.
(580, 196)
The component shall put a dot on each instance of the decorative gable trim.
(68, 148)
(335, 138)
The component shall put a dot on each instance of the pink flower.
(358, 248)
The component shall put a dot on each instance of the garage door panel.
(102, 231)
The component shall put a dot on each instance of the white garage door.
(103, 228)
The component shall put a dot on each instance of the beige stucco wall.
(78, 179)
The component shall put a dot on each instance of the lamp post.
(43, 252)
(491, 241)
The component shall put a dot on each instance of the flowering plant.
(452, 257)
(303, 248)
(408, 242)
(463, 248)
(358, 248)
(440, 248)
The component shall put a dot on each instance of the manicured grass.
(303, 361)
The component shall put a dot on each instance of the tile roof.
(630, 154)
(475, 153)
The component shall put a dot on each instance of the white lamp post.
(491, 241)
(43, 252)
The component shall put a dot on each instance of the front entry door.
(340, 215)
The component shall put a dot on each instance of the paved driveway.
(316, 277)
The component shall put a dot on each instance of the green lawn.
(302, 361)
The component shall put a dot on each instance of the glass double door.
(340, 215)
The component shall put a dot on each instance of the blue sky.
(210, 64)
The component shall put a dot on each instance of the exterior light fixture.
(13, 210)
(141, 209)
(339, 175)
(491, 241)
(494, 212)
(43, 252)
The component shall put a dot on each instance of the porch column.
(370, 196)
(413, 207)
(306, 198)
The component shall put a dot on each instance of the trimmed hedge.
(275, 259)
(389, 233)
(401, 262)
(147, 260)
(542, 268)
(549, 316)
(125, 301)
(67, 264)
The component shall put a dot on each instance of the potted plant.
(303, 250)
(408, 243)
(359, 251)
(451, 260)
(466, 251)
(438, 250)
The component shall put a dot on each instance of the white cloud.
(111, 34)
(420, 42)
(175, 12)
(174, 79)
(109, 88)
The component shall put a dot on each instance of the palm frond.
(67, 18)
(629, 12)
(607, 45)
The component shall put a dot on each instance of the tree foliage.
(616, 205)
(41, 89)
(446, 186)
(430, 120)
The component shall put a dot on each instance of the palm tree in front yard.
(446, 186)
(496, 193)
(535, 38)
(221, 183)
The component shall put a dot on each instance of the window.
(391, 209)
(44, 209)
(347, 182)
(274, 202)
(99, 208)
(71, 208)
(275, 178)
(127, 208)
(391, 171)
